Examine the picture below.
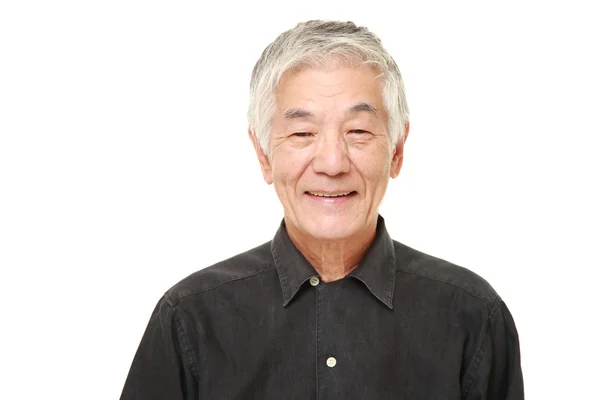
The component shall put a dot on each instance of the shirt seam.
(186, 347)
(392, 279)
(478, 357)
(174, 303)
(476, 295)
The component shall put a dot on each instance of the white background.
(125, 166)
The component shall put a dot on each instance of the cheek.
(287, 171)
(373, 167)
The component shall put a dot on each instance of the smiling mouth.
(331, 195)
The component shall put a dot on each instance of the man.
(332, 307)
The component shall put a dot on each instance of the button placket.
(328, 379)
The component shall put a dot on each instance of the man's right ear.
(265, 164)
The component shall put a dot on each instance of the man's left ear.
(398, 156)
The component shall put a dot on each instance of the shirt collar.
(377, 270)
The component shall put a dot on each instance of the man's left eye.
(358, 131)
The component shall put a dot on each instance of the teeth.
(330, 195)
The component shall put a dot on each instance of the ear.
(265, 164)
(398, 156)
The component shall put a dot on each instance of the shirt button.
(314, 281)
(331, 362)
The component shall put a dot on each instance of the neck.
(333, 259)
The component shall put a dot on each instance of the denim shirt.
(262, 325)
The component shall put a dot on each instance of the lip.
(334, 201)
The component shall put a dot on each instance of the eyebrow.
(298, 113)
(294, 113)
(368, 107)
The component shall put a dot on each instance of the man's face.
(329, 137)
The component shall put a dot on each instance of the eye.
(301, 134)
(359, 131)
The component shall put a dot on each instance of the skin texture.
(334, 149)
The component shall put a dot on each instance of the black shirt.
(261, 325)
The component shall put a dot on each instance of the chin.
(331, 228)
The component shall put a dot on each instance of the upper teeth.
(329, 195)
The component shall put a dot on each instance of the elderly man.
(332, 307)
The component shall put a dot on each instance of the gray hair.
(318, 43)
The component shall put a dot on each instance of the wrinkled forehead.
(333, 83)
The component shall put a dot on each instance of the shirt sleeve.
(495, 370)
(163, 367)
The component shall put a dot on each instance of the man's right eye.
(301, 134)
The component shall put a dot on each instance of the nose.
(332, 156)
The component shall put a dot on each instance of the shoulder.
(441, 272)
(241, 266)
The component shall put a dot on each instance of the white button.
(314, 280)
(331, 362)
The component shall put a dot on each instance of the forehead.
(329, 87)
